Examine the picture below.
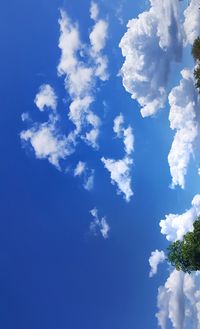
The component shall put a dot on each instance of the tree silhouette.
(196, 49)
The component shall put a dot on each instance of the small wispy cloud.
(125, 133)
(99, 225)
(94, 11)
(82, 170)
(120, 170)
(155, 259)
(98, 37)
(120, 174)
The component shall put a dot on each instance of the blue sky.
(97, 124)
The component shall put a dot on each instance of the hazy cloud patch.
(99, 225)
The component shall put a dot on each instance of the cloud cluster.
(98, 37)
(99, 224)
(45, 138)
(80, 72)
(81, 66)
(81, 170)
(151, 43)
(155, 259)
(179, 301)
(120, 170)
(184, 103)
(191, 23)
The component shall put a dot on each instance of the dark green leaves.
(196, 55)
(185, 254)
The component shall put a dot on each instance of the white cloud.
(179, 301)
(25, 116)
(80, 77)
(89, 181)
(118, 125)
(46, 97)
(125, 134)
(183, 106)
(98, 35)
(98, 38)
(199, 171)
(80, 65)
(176, 226)
(120, 174)
(155, 259)
(99, 224)
(120, 170)
(48, 143)
(192, 19)
(151, 43)
(92, 136)
(94, 10)
(81, 169)
(128, 140)
(69, 43)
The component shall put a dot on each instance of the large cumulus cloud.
(184, 103)
(151, 43)
(179, 301)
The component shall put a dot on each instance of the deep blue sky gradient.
(53, 273)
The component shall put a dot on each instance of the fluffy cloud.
(120, 174)
(192, 19)
(98, 37)
(179, 301)
(120, 170)
(118, 125)
(151, 43)
(80, 76)
(46, 97)
(155, 259)
(183, 106)
(82, 170)
(94, 11)
(48, 143)
(46, 139)
(176, 226)
(128, 140)
(125, 134)
(99, 224)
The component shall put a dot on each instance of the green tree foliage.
(185, 254)
(196, 49)
(197, 77)
(196, 55)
